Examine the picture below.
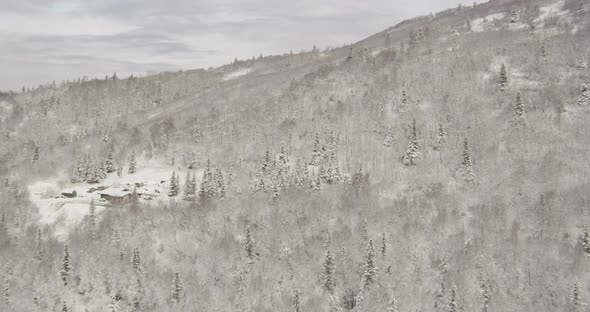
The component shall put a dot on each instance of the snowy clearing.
(151, 180)
(553, 10)
(486, 23)
(237, 73)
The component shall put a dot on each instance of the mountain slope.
(336, 150)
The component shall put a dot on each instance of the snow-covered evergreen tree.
(188, 186)
(75, 175)
(92, 221)
(35, 154)
(193, 184)
(359, 179)
(96, 171)
(91, 171)
(543, 50)
(137, 289)
(191, 160)
(333, 304)
(305, 176)
(413, 150)
(453, 300)
(136, 261)
(330, 150)
(584, 98)
(298, 175)
(207, 189)
(465, 169)
(113, 305)
(328, 273)
(383, 245)
(329, 174)
(36, 299)
(258, 184)
(4, 235)
(64, 306)
(322, 173)
(441, 137)
(6, 291)
(132, 163)
(392, 306)
(177, 289)
(317, 183)
(439, 299)
(296, 301)
(519, 107)
(514, 16)
(484, 290)
(231, 175)
(202, 191)
(39, 246)
(370, 266)
(219, 183)
(173, 190)
(404, 102)
(249, 244)
(365, 229)
(316, 155)
(388, 141)
(283, 158)
(66, 266)
(503, 78)
(586, 240)
(336, 175)
(110, 163)
(275, 192)
(266, 163)
(576, 298)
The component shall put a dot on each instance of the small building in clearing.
(67, 194)
(116, 196)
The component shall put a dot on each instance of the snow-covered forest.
(438, 165)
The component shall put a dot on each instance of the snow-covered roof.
(114, 192)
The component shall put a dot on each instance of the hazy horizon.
(59, 40)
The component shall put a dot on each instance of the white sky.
(45, 40)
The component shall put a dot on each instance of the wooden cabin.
(71, 194)
(116, 196)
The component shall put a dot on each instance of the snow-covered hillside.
(438, 165)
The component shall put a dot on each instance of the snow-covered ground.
(485, 23)
(237, 73)
(553, 10)
(376, 52)
(548, 14)
(65, 213)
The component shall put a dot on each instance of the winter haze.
(45, 40)
(294, 156)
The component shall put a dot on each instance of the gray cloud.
(46, 40)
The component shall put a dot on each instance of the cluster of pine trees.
(276, 172)
(91, 170)
(212, 183)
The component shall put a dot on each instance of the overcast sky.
(45, 40)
